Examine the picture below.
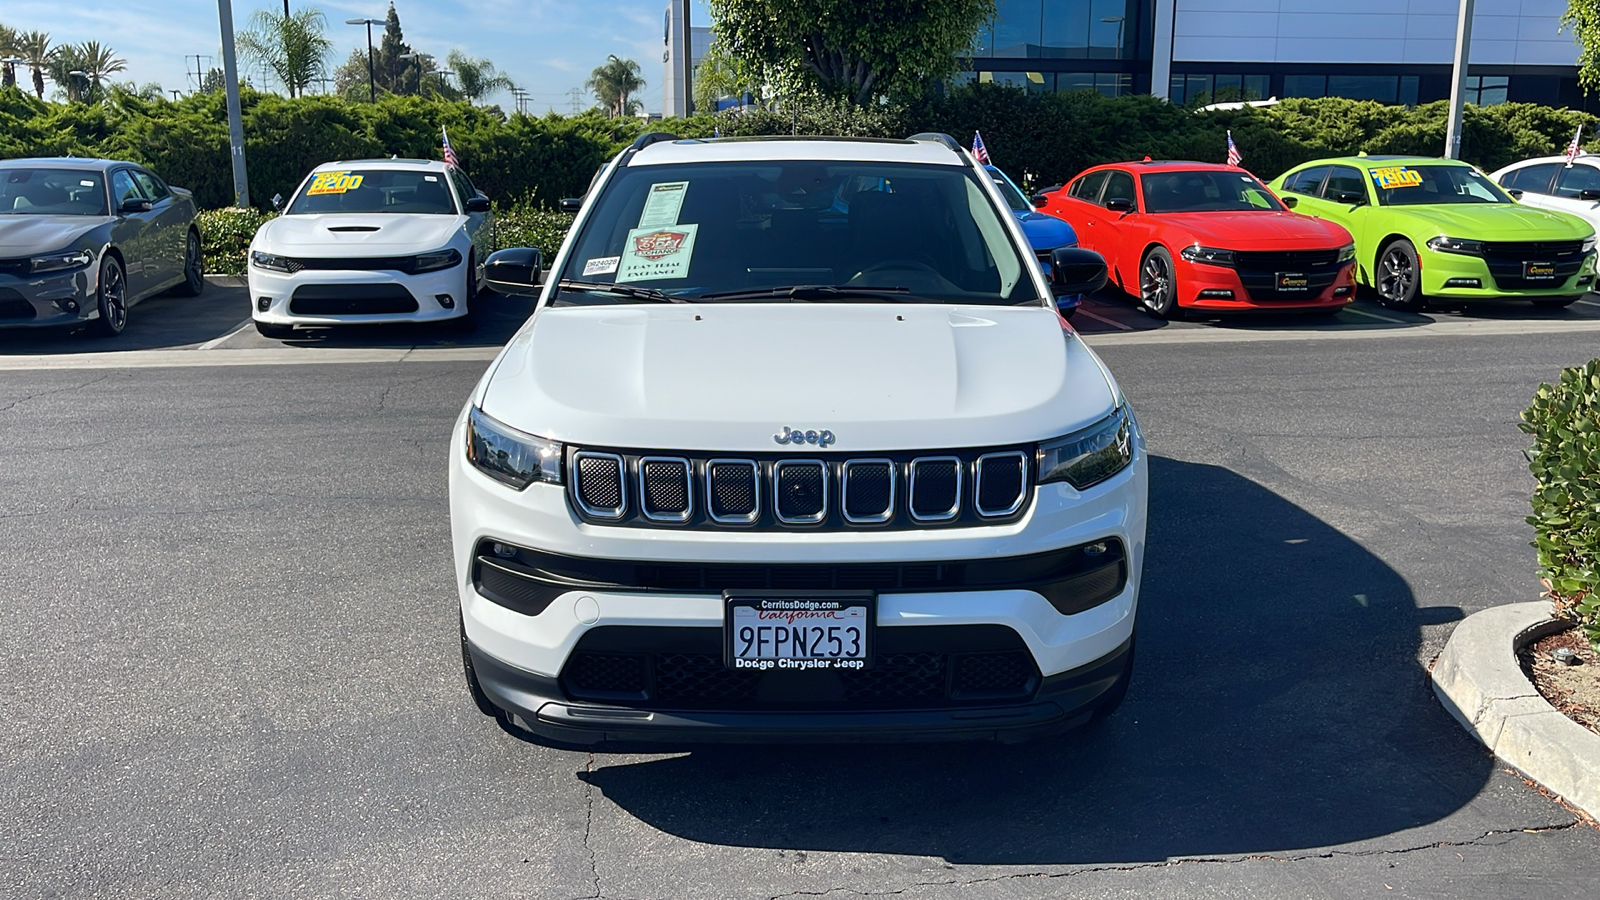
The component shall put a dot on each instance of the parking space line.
(1362, 312)
(1589, 303)
(1104, 320)
(214, 343)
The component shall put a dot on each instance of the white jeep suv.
(795, 446)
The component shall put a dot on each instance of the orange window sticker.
(333, 183)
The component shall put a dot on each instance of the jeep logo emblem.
(796, 436)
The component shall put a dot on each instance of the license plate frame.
(1529, 274)
(851, 609)
(1296, 282)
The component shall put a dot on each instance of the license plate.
(1293, 281)
(798, 630)
(1539, 271)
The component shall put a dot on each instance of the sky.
(548, 47)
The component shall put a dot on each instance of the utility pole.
(576, 96)
(230, 76)
(1458, 81)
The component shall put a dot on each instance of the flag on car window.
(979, 152)
(450, 158)
(1572, 149)
(1233, 152)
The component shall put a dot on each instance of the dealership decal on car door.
(651, 254)
(334, 183)
(1395, 177)
(662, 204)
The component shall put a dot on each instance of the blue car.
(1045, 232)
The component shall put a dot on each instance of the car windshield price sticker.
(662, 204)
(766, 632)
(1390, 177)
(651, 254)
(333, 183)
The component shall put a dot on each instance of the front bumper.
(54, 299)
(1466, 277)
(273, 302)
(1222, 289)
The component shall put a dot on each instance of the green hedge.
(1565, 460)
(225, 235)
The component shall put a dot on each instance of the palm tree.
(294, 47)
(476, 78)
(99, 63)
(34, 46)
(613, 82)
(66, 68)
(8, 49)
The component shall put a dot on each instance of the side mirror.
(514, 271)
(1119, 204)
(1516, 193)
(479, 203)
(1290, 202)
(1350, 197)
(277, 202)
(135, 206)
(1589, 195)
(1039, 201)
(571, 204)
(1076, 271)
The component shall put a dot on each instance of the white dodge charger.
(371, 241)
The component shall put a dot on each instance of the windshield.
(1205, 191)
(1419, 185)
(873, 231)
(52, 192)
(375, 191)
(1011, 193)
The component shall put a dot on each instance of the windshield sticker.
(85, 183)
(430, 178)
(334, 183)
(662, 204)
(603, 265)
(1396, 177)
(651, 254)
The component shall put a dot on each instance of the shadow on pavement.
(1277, 703)
(498, 318)
(163, 322)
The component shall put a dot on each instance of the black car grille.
(914, 667)
(1507, 262)
(14, 306)
(404, 264)
(351, 300)
(1260, 273)
(1073, 579)
(828, 492)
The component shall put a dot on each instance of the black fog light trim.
(1464, 283)
(517, 588)
(1342, 291)
(69, 305)
(1216, 294)
(263, 302)
(1586, 279)
(445, 300)
(1086, 590)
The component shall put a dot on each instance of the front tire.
(111, 299)
(275, 332)
(1399, 277)
(1158, 284)
(194, 274)
(1555, 302)
(468, 321)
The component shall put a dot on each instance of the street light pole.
(1458, 81)
(372, 90)
(230, 78)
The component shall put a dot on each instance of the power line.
(576, 96)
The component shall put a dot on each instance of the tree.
(1583, 18)
(394, 74)
(34, 47)
(719, 75)
(350, 79)
(861, 50)
(613, 84)
(295, 47)
(8, 49)
(476, 78)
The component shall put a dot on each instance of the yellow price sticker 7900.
(333, 183)
(1396, 177)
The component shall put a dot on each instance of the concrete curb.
(1478, 680)
(226, 280)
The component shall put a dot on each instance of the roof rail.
(643, 141)
(938, 138)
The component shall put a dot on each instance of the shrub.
(531, 226)
(1565, 460)
(225, 236)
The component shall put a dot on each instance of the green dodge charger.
(1438, 228)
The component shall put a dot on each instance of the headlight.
(1209, 255)
(1090, 456)
(270, 261)
(57, 262)
(433, 262)
(1454, 245)
(1347, 253)
(510, 456)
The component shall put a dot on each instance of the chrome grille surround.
(576, 476)
(939, 515)
(1022, 484)
(800, 467)
(676, 467)
(713, 502)
(851, 465)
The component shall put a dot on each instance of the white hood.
(880, 376)
(344, 234)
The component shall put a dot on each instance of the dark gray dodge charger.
(82, 240)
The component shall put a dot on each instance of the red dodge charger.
(1188, 235)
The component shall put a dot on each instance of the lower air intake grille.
(351, 300)
(13, 306)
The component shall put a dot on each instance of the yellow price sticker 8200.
(333, 183)
(1396, 177)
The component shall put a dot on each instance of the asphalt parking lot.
(233, 667)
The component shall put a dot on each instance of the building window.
(1199, 90)
(1111, 84)
(1486, 90)
(1017, 28)
(1305, 85)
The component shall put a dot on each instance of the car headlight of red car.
(1211, 256)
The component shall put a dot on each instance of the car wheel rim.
(1155, 284)
(191, 260)
(1398, 275)
(116, 307)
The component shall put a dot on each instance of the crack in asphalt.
(588, 827)
(62, 390)
(1188, 860)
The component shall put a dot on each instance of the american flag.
(979, 152)
(450, 158)
(1233, 152)
(1572, 149)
